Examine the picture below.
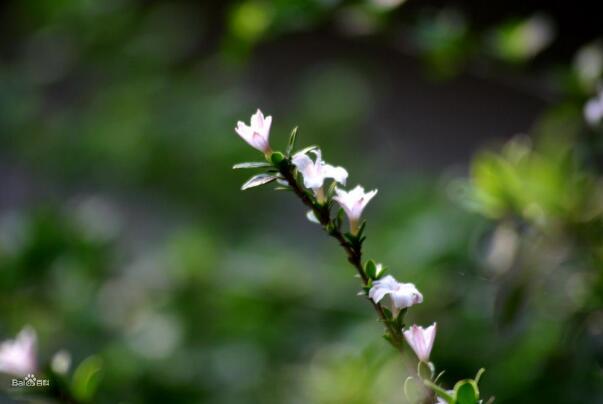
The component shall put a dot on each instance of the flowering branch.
(351, 244)
(305, 174)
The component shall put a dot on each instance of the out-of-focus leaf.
(86, 378)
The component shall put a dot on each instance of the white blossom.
(402, 295)
(257, 133)
(593, 110)
(353, 203)
(316, 172)
(18, 356)
(421, 340)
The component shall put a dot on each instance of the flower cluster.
(314, 172)
(306, 174)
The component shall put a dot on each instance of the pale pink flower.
(421, 340)
(257, 133)
(18, 356)
(316, 172)
(402, 295)
(353, 203)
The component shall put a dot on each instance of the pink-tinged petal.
(302, 161)
(244, 131)
(402, 295)
(267, 125)
(377, 294)
(257, 120)
(381, 288)
(257, 133)
(421, 340)
(354, 202)
(18, 356)
(339, 174)
(259, 142)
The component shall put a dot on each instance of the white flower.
(257, 133)
(18, 356)
(421, 340)
(353, 203)
(402, 295)
(316, 172)
(593, 110)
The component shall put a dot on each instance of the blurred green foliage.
(124, 238)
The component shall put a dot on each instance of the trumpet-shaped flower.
(353, 203)
(593, 110)
(316, 172)
(257, 133)
(421, 340)
(402, 295)
(18, 356)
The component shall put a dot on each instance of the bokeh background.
(124, 238)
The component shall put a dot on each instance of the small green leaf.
(277, 158)
(258, 180)
(251, 164)
(371, 269)
(466, 392)
(292, 139)
(339, 217)
(361, 229)
(349, 237)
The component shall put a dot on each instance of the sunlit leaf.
(292, 139)
(258, 180)
(251, 164)
(86, 378)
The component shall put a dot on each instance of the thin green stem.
(354, 255)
